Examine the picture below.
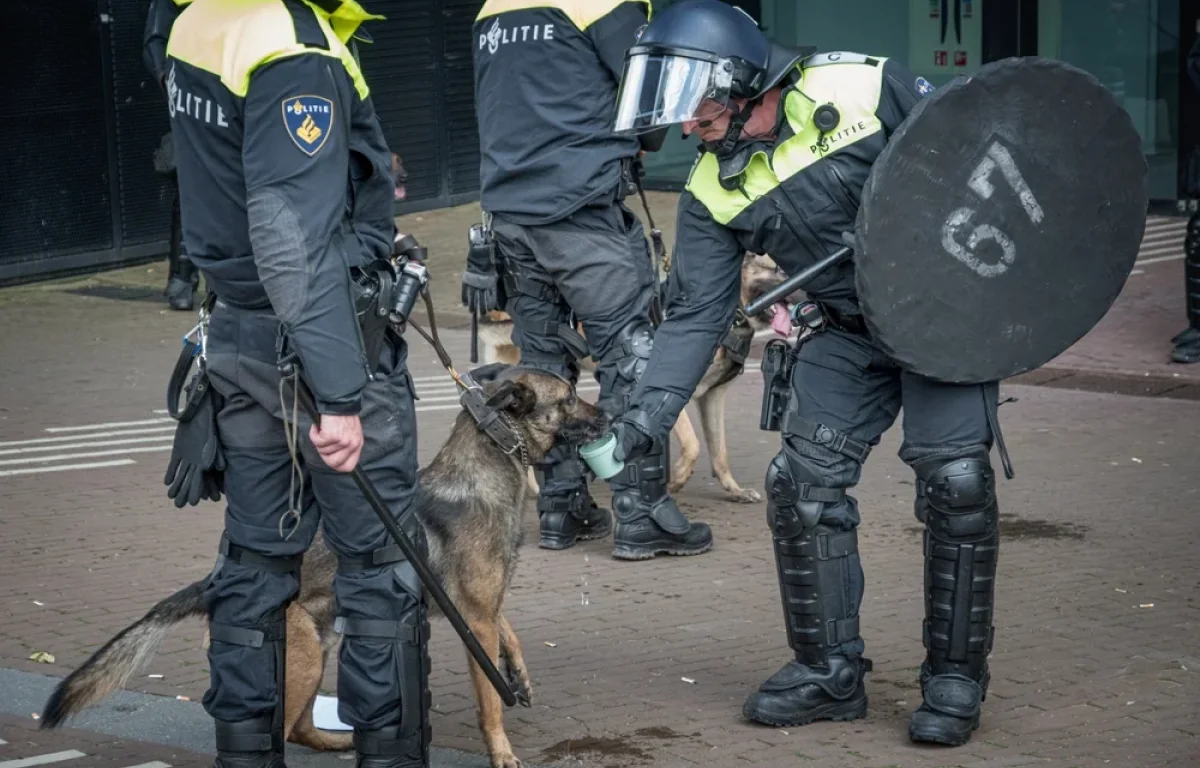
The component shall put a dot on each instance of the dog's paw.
(506, 760)
(745, 495)
(519, 679)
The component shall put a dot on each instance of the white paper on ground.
(325, 715)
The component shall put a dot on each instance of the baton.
(414, 557)
(474, 338)
(797, 281)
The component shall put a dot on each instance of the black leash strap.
(660, 250)
(433, 339)
(290, 370)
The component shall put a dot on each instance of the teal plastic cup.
(599, 456)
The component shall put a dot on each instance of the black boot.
(388, 748)
(566, 512)
(956, 500)
(649, 522)
(182, 276)
(1187, 341)
(249, 743)
(819, 584)
(258, 742)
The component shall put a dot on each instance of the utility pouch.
(777, 362)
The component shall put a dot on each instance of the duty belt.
(845, 321)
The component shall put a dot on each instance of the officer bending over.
(770, 180)
(285, 183)
(552, 178)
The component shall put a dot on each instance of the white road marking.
(73, 446)
(84, 455)
(111, 425)
(69, 438)
(50, 757)
(156, 436)
(155, 764)
(64, 468)
(1158, 259)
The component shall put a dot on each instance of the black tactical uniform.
(1187, 341)
(552, 178)
(286, 186)
(794, 197)
(182, 277)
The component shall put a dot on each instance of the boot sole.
(931, 737)
(650, 551)
(838, 712)
(562, 541)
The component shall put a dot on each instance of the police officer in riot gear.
(286, 191)
(1187, 342)
(182, 277)
(789, 138)
(552, 177)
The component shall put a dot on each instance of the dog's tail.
(111, 667)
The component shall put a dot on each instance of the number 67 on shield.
(980, 183)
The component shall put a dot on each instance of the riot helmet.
(691, 61)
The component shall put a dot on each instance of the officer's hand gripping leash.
(392, 293)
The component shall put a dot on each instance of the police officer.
(789, 138)
(552, 179)
(285, 185)
(182, 277)
(1187, 341)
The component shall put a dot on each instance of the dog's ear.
(515, 397)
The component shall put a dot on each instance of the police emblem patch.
(924, 87)
(308, 120)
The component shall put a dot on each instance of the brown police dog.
(470, 504)
(759, 275)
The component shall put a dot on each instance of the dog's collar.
(491, 420)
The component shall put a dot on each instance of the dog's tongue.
(781, 319)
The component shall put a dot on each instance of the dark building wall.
(78, 189)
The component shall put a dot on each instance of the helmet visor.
(659, 89)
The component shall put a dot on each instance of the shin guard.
(957, 503)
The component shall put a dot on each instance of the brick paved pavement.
(23, 746)
(1099, 521)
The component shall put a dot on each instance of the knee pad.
(1191, 238)
(956, 499)
(631, 353)
(795, 504)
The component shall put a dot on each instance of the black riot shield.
(1001, 221)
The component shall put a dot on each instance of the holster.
(481, 248)
(777, 363)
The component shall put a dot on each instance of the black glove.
(632, 442)
(480, 281)
(196, 467)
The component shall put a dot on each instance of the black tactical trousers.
(383, 663)
(596, 265)
(844, 394)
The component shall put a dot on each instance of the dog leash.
(434, 341)
(659, 255)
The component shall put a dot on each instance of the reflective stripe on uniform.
(233, 38)
(582, 13)
(853, 88)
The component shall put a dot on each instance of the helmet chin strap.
(724, 146)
